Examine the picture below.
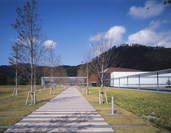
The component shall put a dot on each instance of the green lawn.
(135, 106)
(14, 106)
(145, 104)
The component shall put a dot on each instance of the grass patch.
(6, 90)
(144, 104)
(126, 98)
(9, 121)
(138, 130)
(2, 129)
(125, 121)
(15, 114)
(14, 106)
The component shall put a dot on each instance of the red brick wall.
(93, 78)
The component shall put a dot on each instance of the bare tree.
(29, 28)
(57, 73)
(163, 1)
(87, 60)
(81, 73)
(14, 62)
(63, 77)
(87, 90)
(53, 62)
(45, 72)
(39, 58)
(78, 80)
(100, 52)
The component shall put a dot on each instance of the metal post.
(112, 105)
(127, 82)
(113, 83)
(139, 82)
(99, 98)
(119, 82)
(157, 81)
(83, 89)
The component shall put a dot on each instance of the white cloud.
(149, 37)
(114, 34)
(154, 24)
(144, 37)
(49, 43)
(107, 39)
(142, 12)
(166, 40)
(97, 37)
(167, 19)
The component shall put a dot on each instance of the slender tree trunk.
(32, 96)
(34, 79)
(87, 81)
(44, 85)
(31, 41)
(102, 85)
(63, 86)
(44, 82)
(52, 78)
(16, 91)
(52, 88)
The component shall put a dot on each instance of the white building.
(130, 78)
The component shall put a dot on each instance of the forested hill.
(10, 71)
(142, 57)
(135, 57)
(71, 70)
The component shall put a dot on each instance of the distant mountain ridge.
(136, 56)
(10, 70)
(7, 70)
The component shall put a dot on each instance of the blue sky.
(71, 24)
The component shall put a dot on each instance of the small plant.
(168, 82)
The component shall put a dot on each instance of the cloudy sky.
(70, 25)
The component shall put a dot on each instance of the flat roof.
(112, 69)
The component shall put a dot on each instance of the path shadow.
(64, 99)
(62, 124)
